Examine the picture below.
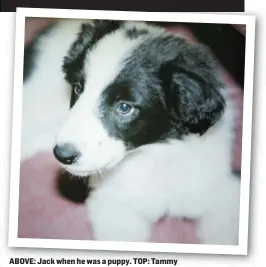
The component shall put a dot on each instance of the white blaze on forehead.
(105, 61)
(83, 127)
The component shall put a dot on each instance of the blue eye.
(124, 108)
(78, 90)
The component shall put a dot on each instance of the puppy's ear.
(192, 90)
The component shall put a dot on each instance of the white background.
(258, 182)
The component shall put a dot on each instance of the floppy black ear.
(192, 88)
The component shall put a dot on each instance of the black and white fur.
(169, 154)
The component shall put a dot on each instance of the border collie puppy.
(149, 122)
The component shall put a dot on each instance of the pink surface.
(43, 213)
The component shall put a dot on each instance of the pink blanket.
(43, 213)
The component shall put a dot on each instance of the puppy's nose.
(66, 154)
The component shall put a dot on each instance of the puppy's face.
(133, 85)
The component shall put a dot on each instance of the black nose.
(66, 154)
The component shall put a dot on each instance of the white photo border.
(248, 20)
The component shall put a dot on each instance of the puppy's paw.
(111, 222)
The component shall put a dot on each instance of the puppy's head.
(133, 84)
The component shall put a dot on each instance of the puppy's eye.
(124, 108)
(78, 90)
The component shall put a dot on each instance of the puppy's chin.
(80, 173)
(83, 173)
(92, 178)
(80, 170)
